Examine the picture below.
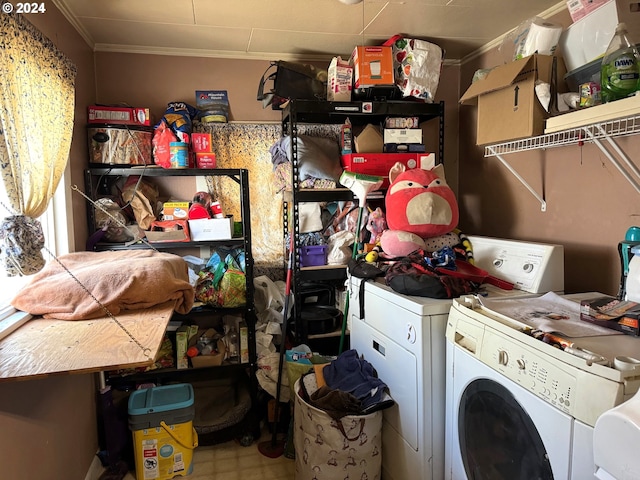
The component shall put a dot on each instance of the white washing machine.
(519, 408)
(403, 337)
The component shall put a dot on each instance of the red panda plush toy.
(421, 212)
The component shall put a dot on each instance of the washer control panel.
(532, 267)
(530, 369)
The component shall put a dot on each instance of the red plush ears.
(420, 201)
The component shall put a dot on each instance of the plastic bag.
(417, 65)
(224, 286)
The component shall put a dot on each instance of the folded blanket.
(119, 280)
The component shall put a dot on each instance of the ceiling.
(294, 29)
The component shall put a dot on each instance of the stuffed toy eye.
(436, 183)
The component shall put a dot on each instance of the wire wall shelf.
(609, 129)
(601, 134)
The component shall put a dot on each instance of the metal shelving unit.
(95, 178)
(360, 113)
(599, 133)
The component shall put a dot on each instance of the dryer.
(403, 337)
(519, 408)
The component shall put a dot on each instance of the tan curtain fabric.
(37, 94)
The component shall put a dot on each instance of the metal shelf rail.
(594, 132)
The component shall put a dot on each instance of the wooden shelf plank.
(43, 347)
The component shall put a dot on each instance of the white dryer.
(403, 337)
(519, 408)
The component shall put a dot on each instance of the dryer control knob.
(411, 333)
(527, 267)
(521, 364)
(503, 357)
(497, 262)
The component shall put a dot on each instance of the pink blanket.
(120, 280)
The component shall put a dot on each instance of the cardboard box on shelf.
(211, 360)
(119, 115)
(369, 140)
(201, 142)
(182, 343)
(372, 66)
(205, 160)
(168, 231)
(625, 107)
(175, 210)
(339, 81)
(402, 135)
(508, 107)
(211, 228)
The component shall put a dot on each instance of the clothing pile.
(349, 385)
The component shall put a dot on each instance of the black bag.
(411, 275)
(292, 81)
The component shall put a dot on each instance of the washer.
(519, 408)
(403, 337)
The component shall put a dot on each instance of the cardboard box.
(212, 360)
(402, 135)
(182, 343)
(119, 115)
(372, 66)
(201, 142)
(244, 345)
(168, 231)
(205, 160)
(369, 141)
(609, 312)
(508, 107)
(625, 107)
(379, 164)
(175, 210)
(339, 81)
(211, 228)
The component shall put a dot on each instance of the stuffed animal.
(376, 224)
(421, 211)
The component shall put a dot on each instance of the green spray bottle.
(620, 73)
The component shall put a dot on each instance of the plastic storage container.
(161, 420)
(313, 255)
(584, 74)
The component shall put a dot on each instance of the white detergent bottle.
(620, 72)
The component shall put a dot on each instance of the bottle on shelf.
(620, 71)
(231, 340)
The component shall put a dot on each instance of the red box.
(119, 115)
(379, 164)
(201, 142)
(205, 160)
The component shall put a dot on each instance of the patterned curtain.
(37, 94)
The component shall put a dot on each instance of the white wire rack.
(594, 132)
(609, 129)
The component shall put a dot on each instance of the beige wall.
(49, 428)
(589, 204)
(589, 207)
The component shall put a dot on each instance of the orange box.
(205, 160)
(372, 66)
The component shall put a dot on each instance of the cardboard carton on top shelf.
(508, 107)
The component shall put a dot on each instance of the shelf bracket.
(612, 158)
(543, 203)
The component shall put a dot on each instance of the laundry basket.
(328, 449)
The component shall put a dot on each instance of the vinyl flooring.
(232, 461)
